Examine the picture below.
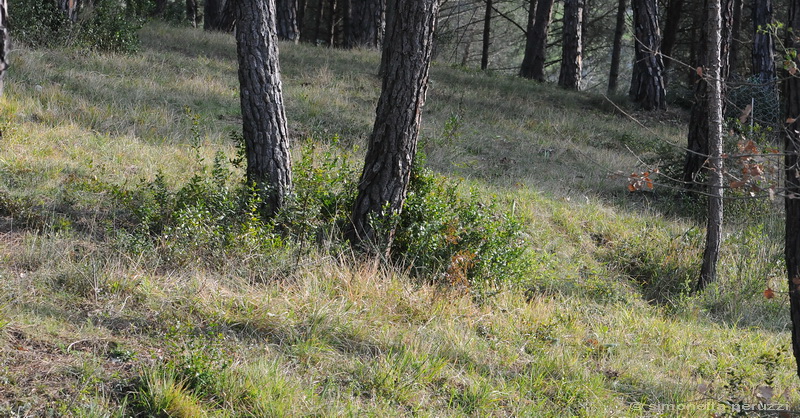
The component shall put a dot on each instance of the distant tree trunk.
(269, 165)
(393, 144)
(219, 15)
(365, 23)
(536, 40)
(487, 27)
(227, 17)
(616, 50)
(733, 59)
(571, 47)
(648, 88)
(4, 44)
(161, 7)
(671, 28)
(191, 12)
(763, 58)
(70, 8)
(288, 28)
(714, 78)
(698, 143)
(792, 199)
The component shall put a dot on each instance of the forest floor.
(98, 318)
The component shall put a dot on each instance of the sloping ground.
(95, 323)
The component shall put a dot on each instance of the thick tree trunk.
(536, 40)
(365, 23)
(697, 147)
(287, 22)
(714, 78)
(4, 43)
(763, 57)
(487, 27)
(393, 144)
(792, 199)
(266, 137)
(671, 27)
(616, 50)
(648, 88)
(571, 46)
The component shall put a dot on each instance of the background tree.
(487, 35)
(219, 15)
(288, 24)
(392, 145)
(648, 88)
(191, 12)
(70, 9)
(571, 46)
(792, 168)
(365, 23)
(616, 49)
(4, 45)
(763, 45)
(533, 62)
(269, 165)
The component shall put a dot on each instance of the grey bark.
(392, 145)
(365, 23)
(287, 20)
(763, 46)
(535, 57)
(70, 9)
(487, 27)
(616, 49)
(4, 43)
(792, 199)
(266, 137)
(571, 46)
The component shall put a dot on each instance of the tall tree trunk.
(161, 7)
(211, 11)
(697, 147)
(269, 166)
(4, 43)
(393, 144)
(287, 22)
(763, 57)
(714, 78)
(616, 50)
(671, 28)
(571, 47)
(191, 12)
(536, 40)
(792, 199)
(487, 27)
(648, 88)
(733, 59)
(365, 23)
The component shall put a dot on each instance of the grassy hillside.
(108, 309)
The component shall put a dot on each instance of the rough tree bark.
(191, 12)
(616, 50)
(487, 27)
(733, 60)
(365, 23)
(287, 22)
(219, 15)
(571, 47)
(671, 27)
(697, 140)
(792, 199)
(713, 76)
(536, 40)
(269, 165)
(648, 88)
(763, 58)
(392, 146)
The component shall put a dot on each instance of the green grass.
(96, 323)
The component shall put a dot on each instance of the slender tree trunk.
(763, 57)
(287, 23)
(393, 144)
(269, 166)
(536, 40)
(161, 7)
(733, 59)
(648, 88)
(191, 12)
(714, 79)
(487, 27)
(571, 47)
(4, 43)
(616, 51)
(211, 11)
(698, 150)
(70, 8)
(792, 199)
(671, 28)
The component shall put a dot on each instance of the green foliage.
(458, 239)
(103, 26)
